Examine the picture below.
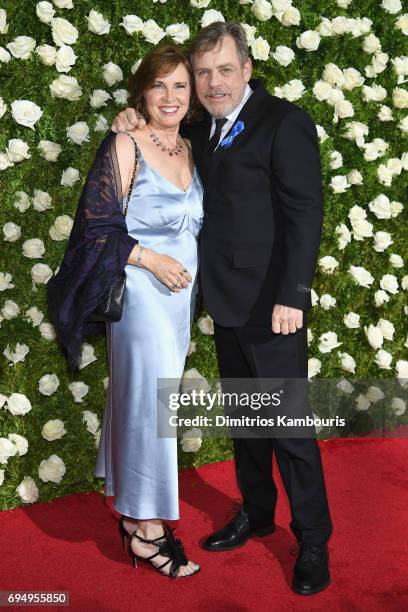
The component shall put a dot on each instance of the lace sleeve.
(98, 249)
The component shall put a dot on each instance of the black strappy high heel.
(169, 547)
(125, 535)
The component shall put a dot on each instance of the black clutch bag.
(111, 306)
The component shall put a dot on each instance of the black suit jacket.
(263, 211)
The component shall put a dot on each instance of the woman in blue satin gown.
(151, 339)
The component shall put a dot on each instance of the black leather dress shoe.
(236, 533)
(311, 574)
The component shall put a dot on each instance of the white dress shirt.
(232, 116)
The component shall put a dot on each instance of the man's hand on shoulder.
(128, 120)
(286, 319)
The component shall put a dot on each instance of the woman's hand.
(166, 269)
(127, 120)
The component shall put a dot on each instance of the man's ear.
(247, 71)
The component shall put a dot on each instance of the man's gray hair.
(210, 36)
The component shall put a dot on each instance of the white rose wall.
(63, 73)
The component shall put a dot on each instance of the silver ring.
(174, 285)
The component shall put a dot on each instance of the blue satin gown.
(149, 342)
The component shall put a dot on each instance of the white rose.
(339, 183)
(328, 264)
(374, 336)
(47, 331)
(343, 3)
(351, 320)
(99, 98)
(400, 97)
(398, 406)
(347, 362)
(5, 161)
(7, 450)
(22, 47)
(18, 404)
(401, 24)
(12, 233)
(260, 49)
(308, 40)
(191, 348)
(87, 355)
(20, 442)
(391, 6)
(200, 3)
(79, 390)
(78, 133)
(380, 298)
(33, 248)
(210, 16)
(27, 490)
(343, 109)
(403, 124)
(384, 175)
(389, 283)
(53, 430)
(262, 9)
(152, 32)
(321, 133)
(179, 32)
(371, 44)
(62, 228)
(378, 65)
(34, 315)
(396, 261)
(387, 328)
(5, 56)
(250, 32)
(375, 93)
(120, 96)
(280, 6)
(352, 79)
(22, 202)
(193, 380)
(97, 24)
(17, 150)
(91, 420)
(63, 32)
(401, 369)
(206, 325)
(19, 353)
(336, 160)
(404, 160)
(385, 113)
(66, 87)
(333, 74)
(325, 27)
(293, 90)
(345, 386)
(354, 177)
(49, 150)
(4, 26)
(65, 59)
(341, 25)
(41, 200)
(51, 469)
(314, 367)
(112, 73)
(48, 384)
(344, 236)
(314, 297)
(361, 276)
(309, 335)
(396, 208)
(322, 90)
(383, 359)
(101, 124)
(362, 402)
(328, 341)
(45, 11)
(290, 17)
(10, 310)
(191, 440)
(132, 24)
(47, 54)
(382, 241)
(69, 177)
(5, 279)
(335, 95)
(64, 4)
(283, 55)
(41, 274)
(374, 394)
(380, 206)
(26, 113)
(327, 301)
(357, 131)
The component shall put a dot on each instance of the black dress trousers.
(255, 351)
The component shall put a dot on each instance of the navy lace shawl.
(97, 251)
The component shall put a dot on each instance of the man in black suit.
(258, 159)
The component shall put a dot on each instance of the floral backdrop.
(63, 71)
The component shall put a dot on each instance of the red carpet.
(72, 544)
